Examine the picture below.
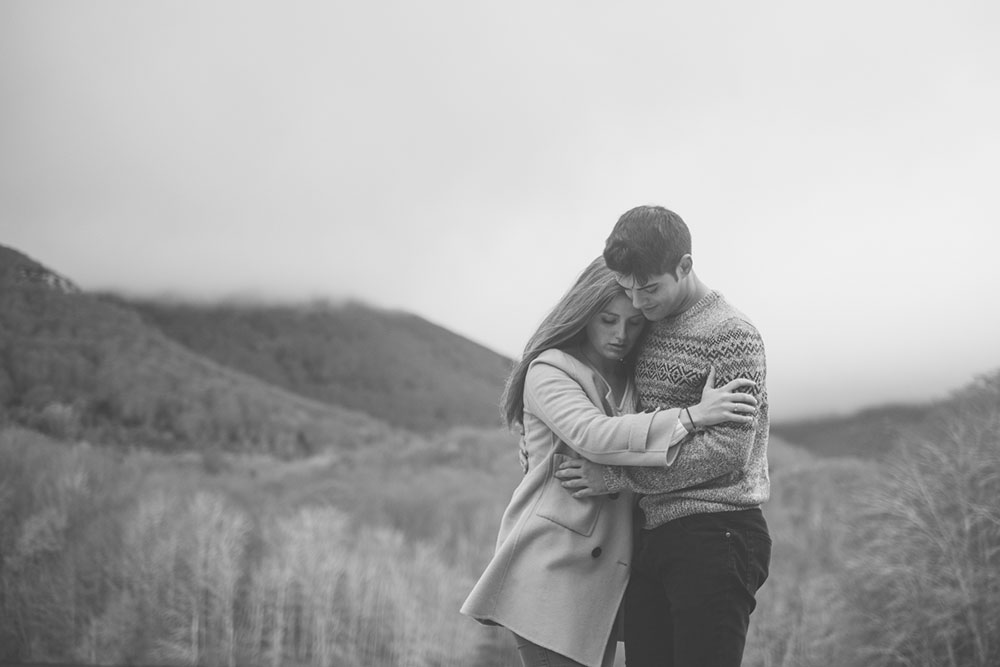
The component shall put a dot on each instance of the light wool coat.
(561, 564)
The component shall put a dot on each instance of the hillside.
(76, 366)
(869, 433)
(872, 433)
(395, 366)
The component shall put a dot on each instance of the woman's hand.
(723, 404)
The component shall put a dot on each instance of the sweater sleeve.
(716, 452)
(643, 439)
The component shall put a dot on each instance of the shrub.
(924, 582)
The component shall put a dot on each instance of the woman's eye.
(608, 320)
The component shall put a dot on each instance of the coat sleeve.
(558, 400)
(717, 451)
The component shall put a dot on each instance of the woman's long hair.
(563, 327)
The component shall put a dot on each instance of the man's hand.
(582, 478)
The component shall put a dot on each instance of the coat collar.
(582, 373)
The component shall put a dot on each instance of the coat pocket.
(558, 506)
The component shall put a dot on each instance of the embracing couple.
(643, 405)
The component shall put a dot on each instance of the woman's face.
(615, 328)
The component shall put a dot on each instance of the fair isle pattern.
(672, 370)
(719, 469)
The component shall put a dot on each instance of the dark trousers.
(692, 590)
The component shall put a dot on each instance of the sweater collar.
(700, 306)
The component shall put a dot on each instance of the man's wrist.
(613, 479)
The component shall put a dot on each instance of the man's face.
(661, 295)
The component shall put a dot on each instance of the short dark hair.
(647, 241)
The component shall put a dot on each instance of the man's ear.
(685, 265)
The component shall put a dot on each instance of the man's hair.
(647, 241)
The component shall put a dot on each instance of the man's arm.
(736, 351)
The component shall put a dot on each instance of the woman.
(562, 563)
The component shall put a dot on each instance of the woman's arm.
(644, 439)
(710, 454)
(561, 403)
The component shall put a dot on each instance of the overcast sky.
(837, 163)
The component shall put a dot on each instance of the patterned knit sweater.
(720, 468)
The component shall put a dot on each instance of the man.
(704, 549)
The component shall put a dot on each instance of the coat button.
(596, 553)
(613, 496)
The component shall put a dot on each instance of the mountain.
(77, 366)
(395, 366)
(872, 433)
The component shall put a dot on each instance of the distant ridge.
(76, 366)
(870, 433)
(396, 366)
(873, 433)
